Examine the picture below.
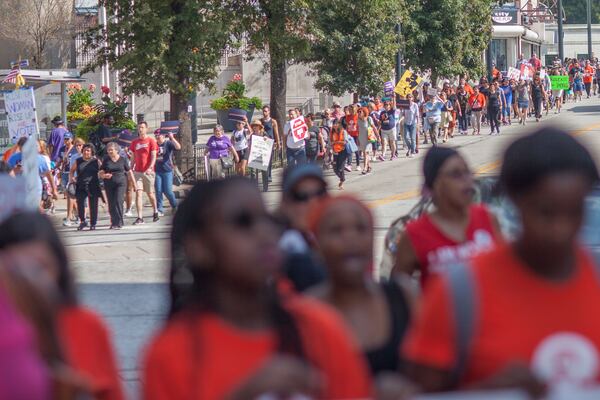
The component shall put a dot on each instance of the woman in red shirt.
(456, 230)
(229, 334)
(523, 307)
(83, 338)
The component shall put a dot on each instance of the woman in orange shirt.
(520, 313)
(229, 334)
(82, 335)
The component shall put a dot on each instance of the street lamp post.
(589, 28)
(561, 46)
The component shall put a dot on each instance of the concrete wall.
(575, 39)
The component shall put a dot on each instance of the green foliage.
(449, 37)
(355, 44)
(233, 97)
(117, 109)
(576, 11)
(84, 129)
(78, 99)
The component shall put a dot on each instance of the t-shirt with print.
(240, 139)
(352, 125)
(164, 162)
(142, 149)
(218, 147)
(519, 317)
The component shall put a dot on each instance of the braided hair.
(191, 288)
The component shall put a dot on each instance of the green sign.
(559, 82)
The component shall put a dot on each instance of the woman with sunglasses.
(339, 139)
(377, 314)
(230, 334)
(456, 230)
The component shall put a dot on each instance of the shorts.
(389, 135)
(64, 180)
(243, 154)
(144, 181)
(523, 103)
(578, 87)
(557, 93)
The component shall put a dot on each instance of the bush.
(233, 97)
(84, 129)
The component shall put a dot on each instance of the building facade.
(575, 41)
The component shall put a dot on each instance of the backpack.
(312, 143)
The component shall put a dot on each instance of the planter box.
(229, 125)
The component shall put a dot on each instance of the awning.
(508, 31)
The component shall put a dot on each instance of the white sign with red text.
(299, 129)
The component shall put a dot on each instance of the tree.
(355, 44)
(164, 46)
(35, 25)
(576, 11)
(282, 30)
(449, 36)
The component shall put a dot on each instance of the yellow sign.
(409, 82)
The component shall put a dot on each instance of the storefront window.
(499, 53)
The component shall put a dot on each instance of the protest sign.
(12, 195)
(403, 104)
(514, 73)
(409, 82)
(559, 82)
(542, 74)
(21, 114)
(432, 91)
(31, 173)
(260, 152)
(388, 89)
(527, 72)
(299, 129)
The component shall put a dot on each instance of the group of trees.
(174, 46)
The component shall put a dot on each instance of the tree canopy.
(576, 11)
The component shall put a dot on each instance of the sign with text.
(527, 72)
(260, 152)
(504, 16)
(432, 92)
(409, 82)
(403, 104)
(299, 129)
(513, 73)
(21, 114)
(388, 89)
(559, 82)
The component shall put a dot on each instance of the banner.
(299, 129)
(513, 73)
(409, 82)
(559, 82)
(388, 89)
(260, 152)
(21, 114)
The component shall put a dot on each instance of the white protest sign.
(30, 162)
(432, 91)
(514, 73)
(12, 195)
(260, 152)
(21, 113)
(299, 129)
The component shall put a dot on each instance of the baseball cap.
(68, 135)
(295, 174)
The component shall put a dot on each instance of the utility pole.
(589, 27)
(561, 46)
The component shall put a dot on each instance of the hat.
(57, 120)
(158, 132)
(295, 174)
(68, 135)
(257, 122)
(336, 104)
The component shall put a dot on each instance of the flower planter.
(229, 125)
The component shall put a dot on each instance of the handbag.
(71, 189)
(227, 162)
(177, 176)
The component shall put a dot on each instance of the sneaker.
(66, 222)
(82, 226)
(380, 158)
(359, 168)
(348, 168)
(155, 217)
(138, 221)
(128, 213)
(161, 214)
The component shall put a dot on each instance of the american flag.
(12, 76)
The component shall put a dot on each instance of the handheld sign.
(299, 129)
(559, 82)
(409, 82)
(403, 104)
(432, 92)
(527, 72)
(260, 152)
(514, 73)
(388, 89)
(21, 113)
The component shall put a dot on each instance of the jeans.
(163, 183)
(410, 137)
(433, 131)
(115, 193)
(295, 156)
(82, 195)
(463, 122)
(537, 106)
(340, 163)
(493, 113)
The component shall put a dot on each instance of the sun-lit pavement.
(123, 274)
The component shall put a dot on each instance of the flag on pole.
(12, 76)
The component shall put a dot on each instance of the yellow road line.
(483, 169)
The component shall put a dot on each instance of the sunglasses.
(303, 197)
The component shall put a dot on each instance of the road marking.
(483, 169)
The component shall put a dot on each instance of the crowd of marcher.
(284, 304)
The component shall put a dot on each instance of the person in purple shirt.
(217, 147)
(56, 139)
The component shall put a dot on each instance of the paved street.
(122, 274)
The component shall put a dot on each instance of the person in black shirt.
(116, 172)
(87, 185)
